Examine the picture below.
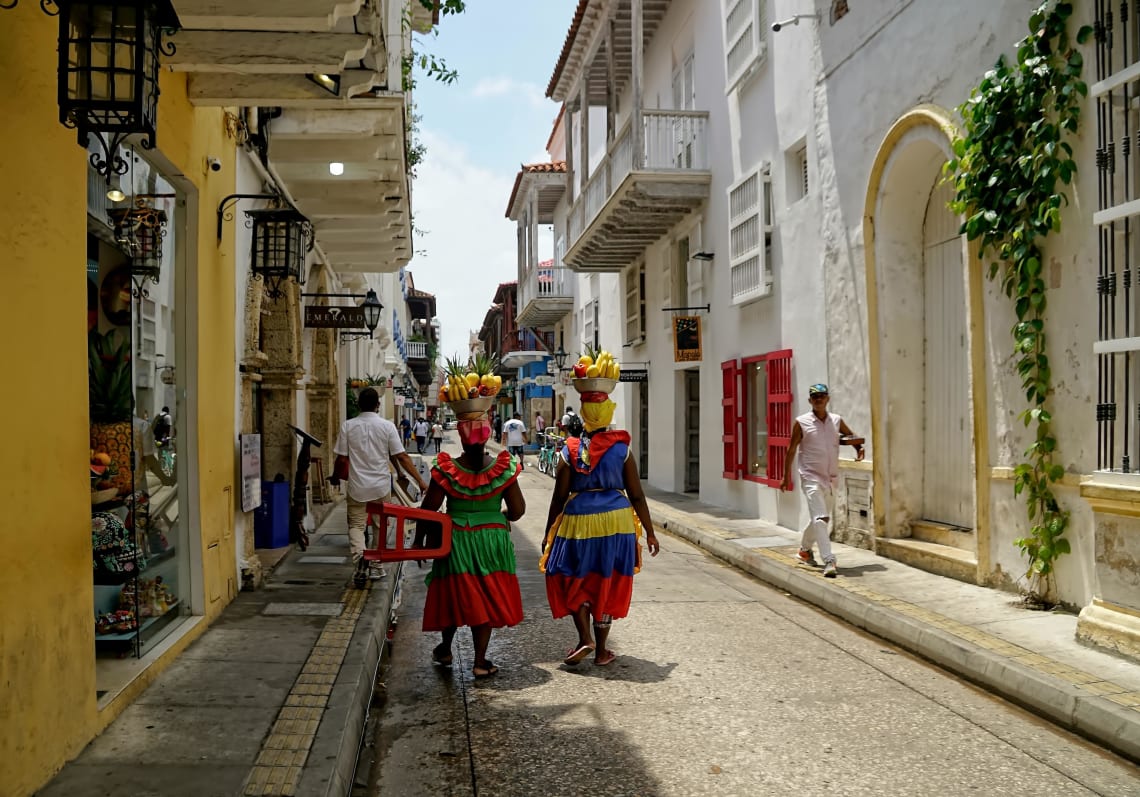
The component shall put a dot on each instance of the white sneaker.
(829, 569)
(375, 571)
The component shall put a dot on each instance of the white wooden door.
(948, 494)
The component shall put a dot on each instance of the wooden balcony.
(417, 350)
(623, 210)
(546, 294)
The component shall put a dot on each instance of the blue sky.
(478, 131)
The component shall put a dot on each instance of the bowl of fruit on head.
(470, 387)
(597, 371)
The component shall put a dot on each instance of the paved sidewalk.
(981, 634)
(271, 700)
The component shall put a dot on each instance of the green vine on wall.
(1010, 169)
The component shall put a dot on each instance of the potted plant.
(109, 392)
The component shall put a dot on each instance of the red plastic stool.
(379, 512)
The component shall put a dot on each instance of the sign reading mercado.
(323, 317)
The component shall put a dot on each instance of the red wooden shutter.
(779, 411)
(730, 412)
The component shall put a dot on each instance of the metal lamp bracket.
(224, 207)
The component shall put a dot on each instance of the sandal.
(441, 655)
(486, 671)
(575, 655)
(604, 657)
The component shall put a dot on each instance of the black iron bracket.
(224, 212)
(346, 336)
(707, 308)
(335, 295)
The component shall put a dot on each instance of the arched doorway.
(927, 396)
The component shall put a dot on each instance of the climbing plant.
(1011, 166)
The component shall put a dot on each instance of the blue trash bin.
(271, 519)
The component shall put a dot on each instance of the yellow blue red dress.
(476, 583)
(594, 551)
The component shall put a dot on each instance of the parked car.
(451, 425)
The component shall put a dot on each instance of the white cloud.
(469, 247)
(504, 86)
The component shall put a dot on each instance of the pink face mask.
(475, 433)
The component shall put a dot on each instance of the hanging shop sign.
(400, 400)
(686, 338)
(544, 381)
(323, 317)
(634, 375)
(250, 472)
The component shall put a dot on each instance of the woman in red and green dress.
(475, 585)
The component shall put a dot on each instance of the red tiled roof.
(553, 167)
(567, 46)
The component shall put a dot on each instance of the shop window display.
(139, 544)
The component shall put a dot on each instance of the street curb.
(1107, 723)
(332, 758)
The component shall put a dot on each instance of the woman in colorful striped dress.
(476, 584)
(597, 514)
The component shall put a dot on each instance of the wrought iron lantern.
(139, 231)
(108, 72)
(282, 238)
(372, 307)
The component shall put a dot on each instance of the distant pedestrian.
(515, 436)
(819, 434)
(162, 427)
(539, 423)
(497, 425)
(571, 424)
(406, 431)
(437, 435)
(421, 431)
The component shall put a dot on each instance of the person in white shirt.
(816, 435)
(437, 435)
(421, 432)
(370, 443)
(515, 436)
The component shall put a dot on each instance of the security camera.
(214, 164)
(794, 20)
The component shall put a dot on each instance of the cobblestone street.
(722, 686)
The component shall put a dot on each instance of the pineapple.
(109, 395)
(484, 368)
(455, 372)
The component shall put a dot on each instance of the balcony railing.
(417, 350)
(545, 282)
(525, 340)
(675, 141)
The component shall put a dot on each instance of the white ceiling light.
(336, 169)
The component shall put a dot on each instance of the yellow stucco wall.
(48, 709)
(47, 674)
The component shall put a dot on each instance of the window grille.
(748, 238)
(745, 38)
(1117, 87)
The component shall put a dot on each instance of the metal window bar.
(1115, 92)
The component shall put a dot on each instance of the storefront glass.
(139, 543)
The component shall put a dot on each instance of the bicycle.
(548, 454)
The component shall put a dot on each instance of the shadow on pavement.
(624, 668)
(857, 571)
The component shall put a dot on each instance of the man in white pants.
(369, 443)
(816, 436)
